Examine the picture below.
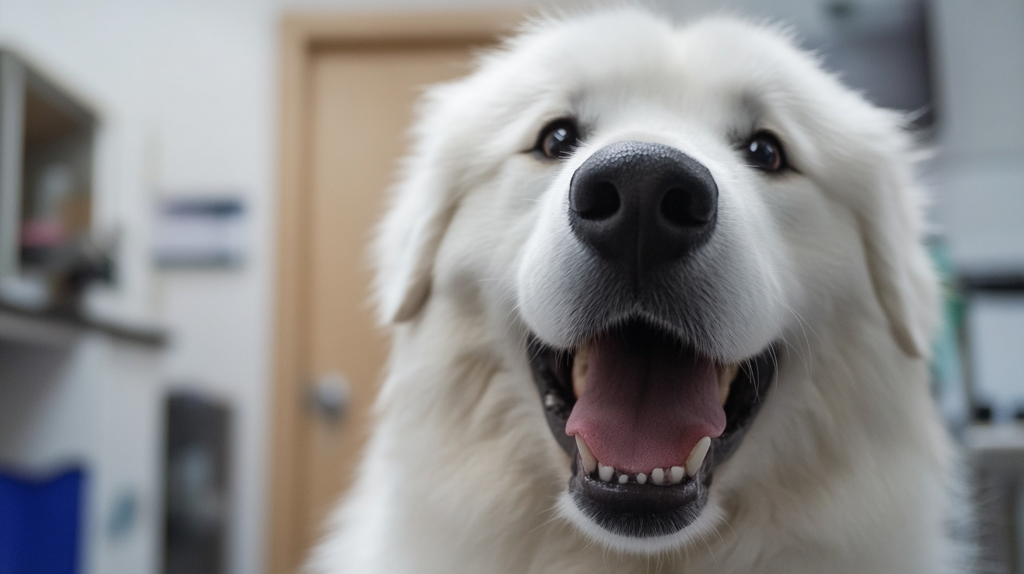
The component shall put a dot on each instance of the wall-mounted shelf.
(62, 330)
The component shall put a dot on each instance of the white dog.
(660, 304)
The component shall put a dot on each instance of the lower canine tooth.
(579, 370)
(658, 476)
(605, 472)
(726, 375)
(696, 458)
(589, 460)
(676, 474)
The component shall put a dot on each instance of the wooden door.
(350, 86)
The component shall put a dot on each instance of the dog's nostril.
(600, 202)
(683, 208)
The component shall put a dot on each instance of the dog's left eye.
(764, 152)
(558, 139)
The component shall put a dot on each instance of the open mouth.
(646, 419)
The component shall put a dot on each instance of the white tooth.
(676, 474)
(605, 472)
(696, 458)
(550, 400)
(726, 375)
(641, 478)
(658, 476)
(589, 460)
(579, 370)
(623, 478)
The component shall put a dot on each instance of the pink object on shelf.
(42, 233)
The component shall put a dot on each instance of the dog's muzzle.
(645, 415)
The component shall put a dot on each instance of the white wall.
(187, 91)
(978, 176)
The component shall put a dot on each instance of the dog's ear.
(422, 205)
(901, 279)
(408, 240)
(890, 216)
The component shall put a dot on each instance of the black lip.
(648, 510)
(640, 511)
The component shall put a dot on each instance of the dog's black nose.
(642, 204)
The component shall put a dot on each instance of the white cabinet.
(85, 393)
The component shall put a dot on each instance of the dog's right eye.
(558, 139)
(765, 153)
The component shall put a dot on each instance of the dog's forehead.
(634, 53)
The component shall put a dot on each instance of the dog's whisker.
(809, 365)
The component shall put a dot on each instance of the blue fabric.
(40, 524)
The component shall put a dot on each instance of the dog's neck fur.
(462, 427)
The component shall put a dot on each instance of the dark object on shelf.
(1007, 282)
(74, 265)
(1018, 415)
(982, 413)
(40, 523)
(196, 481)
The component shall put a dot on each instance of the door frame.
(301, 36)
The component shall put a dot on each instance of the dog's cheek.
(548, 269)
(742, 276)
(476, 262)
(544, 287)
(826, 270)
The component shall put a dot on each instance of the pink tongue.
(646, 404)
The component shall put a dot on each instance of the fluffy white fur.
(846, 468)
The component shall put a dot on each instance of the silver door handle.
(329, 396)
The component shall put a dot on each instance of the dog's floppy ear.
(890, 216)
(900, 276)
(408, 240)
(422, 205)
